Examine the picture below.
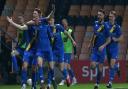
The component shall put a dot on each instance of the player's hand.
(31, 22)
(114, 39)
(76, 57)
(101, 48)
(89, 46)
(9, 19)
(74, 43)
(53, 8)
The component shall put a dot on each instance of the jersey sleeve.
(118, 33)
(60, 27)
(49, 32)
(107, 32)
(95, 26)
(43, 20)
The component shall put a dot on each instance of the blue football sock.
(40, 71)
(49, 77)
(111, 74)
(99, 76)
(116, 67)
(64, 72)
(24, 76)
(34, 79)
(71, 73)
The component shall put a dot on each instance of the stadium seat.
(85, 10)
(74, 10)
(11, 2)
(79, 28)
(108, 8)
(119, 10)
(95, 9)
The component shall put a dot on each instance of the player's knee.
(100, 67)
(13, 53)
(40, 61)
(93, 65)
(33, 68)
(51, 65)
(112, 63)
(25, 65)
(62, 66)
(68, 67)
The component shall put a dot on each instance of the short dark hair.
(102, 11)
(113, 12)
(38, 10)
(50, 18)
(65, 19)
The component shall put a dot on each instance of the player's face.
(35, 14)
(21, 19)
(51, 21)
(64, 22)
(100, 16)
(111, 17)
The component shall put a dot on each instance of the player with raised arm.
(36, 25)
(20, 47)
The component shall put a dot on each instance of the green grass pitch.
(77, 86)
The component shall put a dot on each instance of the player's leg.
(70, 70)
(114, 67)
(100, 66)
(101, 58)
(40, 71)
(64, 75)
(34, 72)
(40, 59)
(93, 64)
(94, 58)
(112, 72)
(99, 75)
(71, 73)
(24, 69)
(14, 53)
(63, 68)
(51, 77)
(108, 56)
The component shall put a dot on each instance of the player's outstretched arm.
(31, 22)
(91, 43)
(108, 40)
(24, 27)
(70, 37)
(117, 39)
(52, 13)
